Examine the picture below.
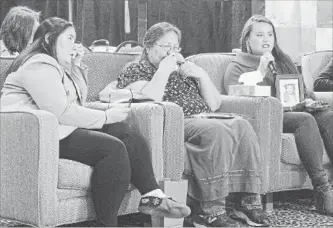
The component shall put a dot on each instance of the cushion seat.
(289, 154)
(76, 176)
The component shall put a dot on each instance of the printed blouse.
(184, 92)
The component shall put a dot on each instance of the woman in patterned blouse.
(224, 153)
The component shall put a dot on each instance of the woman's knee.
(306, 119)
(112, 147)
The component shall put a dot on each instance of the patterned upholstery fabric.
(74, 175)
(312, 65)
(103, 70)
(4, 66)
(289, 154)
(215, 64)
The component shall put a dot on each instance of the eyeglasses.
(168, 48)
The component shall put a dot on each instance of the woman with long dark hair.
(260, 49)
(48, 75)
(17, 30)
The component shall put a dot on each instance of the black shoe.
(221, 220)
(323, 196)
(252, 216)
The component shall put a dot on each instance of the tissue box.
(249, 90)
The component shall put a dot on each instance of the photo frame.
(289, 89)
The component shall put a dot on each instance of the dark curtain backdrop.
(48, 8)
(207, 25)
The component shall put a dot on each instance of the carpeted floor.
(291, 209)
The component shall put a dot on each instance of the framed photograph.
(289, 89)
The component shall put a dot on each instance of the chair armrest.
(154, 122)
(173, 140)
(326, 96)
(265, 115)
(29, 155)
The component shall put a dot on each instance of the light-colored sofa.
(38, 188)
(312, 64)
(282, 167)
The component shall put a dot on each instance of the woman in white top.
(48, 75)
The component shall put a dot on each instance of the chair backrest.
(312, 64)
(5, 63)
(104, 67)
(215, 64)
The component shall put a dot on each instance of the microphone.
(272, 68)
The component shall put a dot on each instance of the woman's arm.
(207, 88)
(44, 84)
(153, 88)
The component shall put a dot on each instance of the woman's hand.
(300, 107)
(116, 114)
(264, 61)
(168, 64)
(309, 102)
(189, 69)
(78, 53)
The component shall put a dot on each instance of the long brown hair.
(44, 41)
(284, 64)
(17, 28)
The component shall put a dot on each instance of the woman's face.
(261, 38)
(290, 89)
(65, 45)
(164, 46)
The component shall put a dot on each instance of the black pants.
(309, 131)
(119, 156)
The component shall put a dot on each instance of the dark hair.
(155, 32)
(44, 41)
(283, 61)
(17, 28)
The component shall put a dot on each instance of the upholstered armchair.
(38, 188)
(282, 169)
(312, 64)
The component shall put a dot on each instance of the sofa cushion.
(74, 175)
(289, 153)
(215, 64)
(104, 67)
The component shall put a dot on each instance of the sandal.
(163, 207)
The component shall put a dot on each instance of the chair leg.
(268, 202)
(178, 191)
